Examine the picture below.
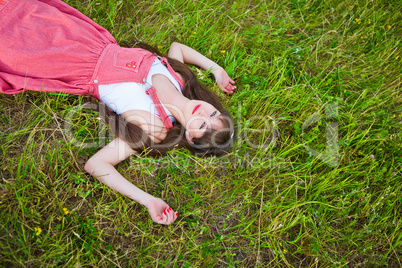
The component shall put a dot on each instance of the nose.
(205, 112)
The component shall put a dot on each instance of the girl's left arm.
(101, 166)
(186, 54)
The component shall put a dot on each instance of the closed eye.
(213, 114)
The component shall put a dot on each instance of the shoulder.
(175, 52)
(149, 123)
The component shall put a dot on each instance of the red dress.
(48, 46)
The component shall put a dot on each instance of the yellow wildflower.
(223, 51)
(66, 211)
(38, 231)
(397, 57)
(389, 27)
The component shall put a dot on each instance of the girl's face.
(200, 116)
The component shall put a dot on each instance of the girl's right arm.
(186, 54)
(101, 166)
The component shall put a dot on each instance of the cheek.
(194, 123)
(217, 124)
(193, 127)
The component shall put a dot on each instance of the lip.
(196, 108)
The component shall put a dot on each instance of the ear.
(189, 137)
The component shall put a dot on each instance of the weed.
(305, 71)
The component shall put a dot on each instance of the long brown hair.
(213, 142)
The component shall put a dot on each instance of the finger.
(163, 223)
(174, 215)
(165, 216)
(229, 89)
(224, 87)
(170, 215)
(159, 219)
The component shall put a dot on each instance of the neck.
(173, 100)
(176, 105)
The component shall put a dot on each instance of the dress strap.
(175, 75)
(165, 119)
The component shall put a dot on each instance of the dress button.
(96, 81)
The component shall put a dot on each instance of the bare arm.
(186, 54)
(101, 166)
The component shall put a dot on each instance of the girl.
(154, 103)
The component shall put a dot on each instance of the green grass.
(271, 202)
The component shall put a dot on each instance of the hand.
(224, 81)
(160, 212)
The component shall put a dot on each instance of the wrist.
(146, 200)
(215, 68)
